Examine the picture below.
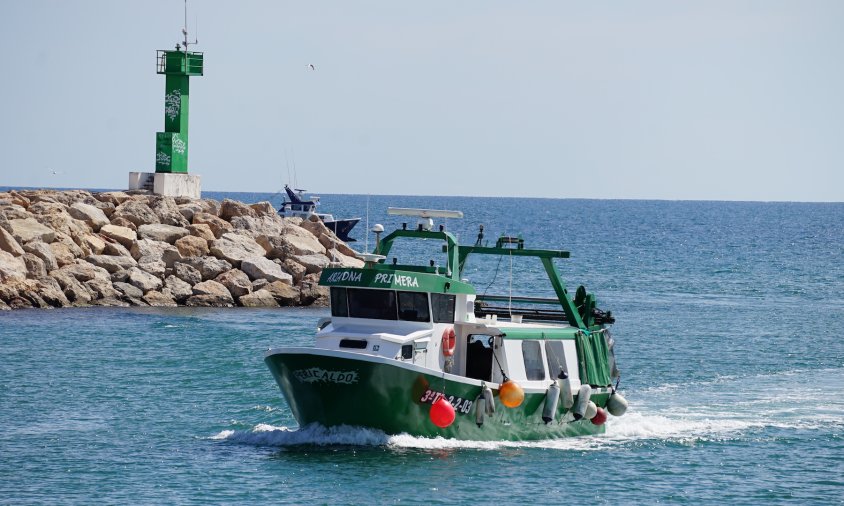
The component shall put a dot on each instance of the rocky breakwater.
(77, 248)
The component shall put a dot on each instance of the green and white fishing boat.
(415, 349)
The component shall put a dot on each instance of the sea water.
(730, 319)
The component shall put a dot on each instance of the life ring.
(449, 342)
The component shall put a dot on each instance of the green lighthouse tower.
(171, 176)
(171, 145)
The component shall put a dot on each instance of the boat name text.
(397, 279)
(316, 374)
(337, 277)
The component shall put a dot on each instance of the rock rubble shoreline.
(77, 248)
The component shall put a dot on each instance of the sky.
(708, 100)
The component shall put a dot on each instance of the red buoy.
(600, 417)
(442, 413)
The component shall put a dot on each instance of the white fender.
(490, 401)
(552, 398)
(591, 410)
(565, 391)
(616, 404)
(480, 410)
(579, 410)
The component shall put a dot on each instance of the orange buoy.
(449, 342)
(511, 394)
(600, 417)
(442, 413)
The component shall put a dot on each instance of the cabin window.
(358, 344)
(479, 357)
(532, 353)
(413, 307)
(556, 358)
(443, 306)
(375, 304)
(339, 302)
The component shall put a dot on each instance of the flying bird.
(311, 66)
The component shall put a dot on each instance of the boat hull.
(334, 388)
(342, 228)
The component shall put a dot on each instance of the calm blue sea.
(730, 327)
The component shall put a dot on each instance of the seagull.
(311, 66)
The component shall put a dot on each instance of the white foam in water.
(725, 408)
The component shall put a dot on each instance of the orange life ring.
(449, 342)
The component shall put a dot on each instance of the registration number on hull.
(459, 404)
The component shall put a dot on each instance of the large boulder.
(235, 248)
(187, 273)
(13, 212)
(72, 288)
(261, 298)
(12, 268)
(236, 281)
(62, 253)
(43, 252)
(180, 290)
(125, 236)
(315, 226)
(51, 291)
(17, 199)
(46, 207)
(34, 266)
(148, 247)
(167, 211)
(264, 268)
(101, 289)
(208, 267)
(144, 280)
(9, 244)
(295, 241)
(211, 287)
(210, 293)
(83, 271)
(161, 232)
(332, 243)
(337, 259)
(256, 226)
(29, 229)
(283, 293)
(192, 246)
(112, 263)
(137, 212)
(92, 215)
(264, 208)
(188, 209)
(311, 293)
(231, 208)
(95, 244)
(129, 291)
(296, 270)
(218, 225)
(62, 223)
(312, 263)
(158, 299)
(114, 248)
(113, 198)
(153, 266)
(120, 221)
(201, 230)
(210, 301)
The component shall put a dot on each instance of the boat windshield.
(380, 304)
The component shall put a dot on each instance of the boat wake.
(729, 409)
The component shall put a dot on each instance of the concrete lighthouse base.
(169, 184)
